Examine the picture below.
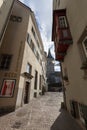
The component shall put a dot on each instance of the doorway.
(26, 92)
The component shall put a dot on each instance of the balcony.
(61, 33)
(60, 56)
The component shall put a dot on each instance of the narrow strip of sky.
(43, 14)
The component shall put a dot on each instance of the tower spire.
(49, 54)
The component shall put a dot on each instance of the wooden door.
(26, 92)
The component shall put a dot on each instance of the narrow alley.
(42, 113)
(38, 115)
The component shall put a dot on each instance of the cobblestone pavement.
(42, 113)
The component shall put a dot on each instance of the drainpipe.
(63, 87)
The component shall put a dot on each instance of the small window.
(14, 18)
(28, 38)
(38, 44)
(5, 61)
(83, 51)
(74, 108)
(84, 44)
(62, 22)
(33, 32)
(35, 94)
(32, 45)
(35, 52)
(38, 56)
(36, 80)
(28, 68)
(40, 82)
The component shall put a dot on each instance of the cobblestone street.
(40, 114)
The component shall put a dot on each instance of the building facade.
(21, 59)
(5, 10)
(50, 68)
(70, 39)
(53, 77)
(44, 70)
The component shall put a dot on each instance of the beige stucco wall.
(5, 8)
(77, 18)
(15, 43)
(29, 56)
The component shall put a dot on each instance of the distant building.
(69, 34)
(44, 71)
(5, 10)
(21, 55)
(50, 67)
(53, 77)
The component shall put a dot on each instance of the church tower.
(50, 68)
(50, 64)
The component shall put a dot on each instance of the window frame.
(28, 38)
(5, 61)
(30, 68)
(62, 22)
(33, 32)
(36, 80)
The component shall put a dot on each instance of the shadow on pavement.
(65, 122)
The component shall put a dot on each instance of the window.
(38, 44)
(32, 45)
(28, 68)
(35, 94)
(36, 78)
(38, 56)
(84, 44)
(35, 52)
(33, 32)
(83, 51)
(40, 82)
(62, 22)
(74, 108)
(14, 18)
(5, 61)
(28, 38)
(83, 113)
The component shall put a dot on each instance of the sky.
(43, 13)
